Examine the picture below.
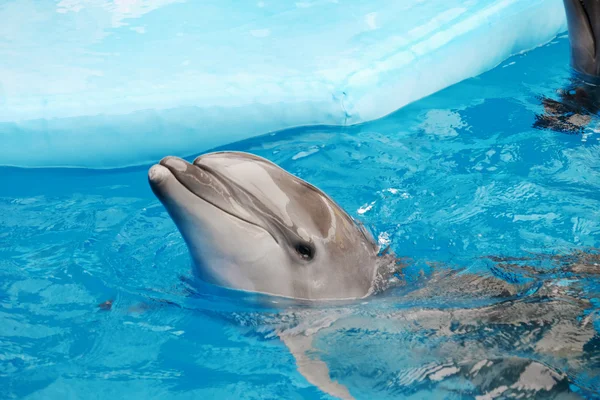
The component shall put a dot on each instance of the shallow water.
(497, 222)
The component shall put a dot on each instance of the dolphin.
(583, 21)
(251, 226)
(580, 99)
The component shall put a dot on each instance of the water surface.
(497, 222)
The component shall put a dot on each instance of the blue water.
(459, 184)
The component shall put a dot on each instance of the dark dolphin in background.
(583, 19)
(580, 100)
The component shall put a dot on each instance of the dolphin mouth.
(201, 183)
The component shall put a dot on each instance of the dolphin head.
(583, 19)
(250, 225)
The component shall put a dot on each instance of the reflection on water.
(536, 340)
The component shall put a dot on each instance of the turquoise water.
(497, 222)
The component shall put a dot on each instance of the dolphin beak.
(173, 172)
(166, 169)
(158, 174)
(192, 177)
(174, 180)
(178, 185)
(173, 176)
(175, 164)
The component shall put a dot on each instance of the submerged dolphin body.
(252, 226)
(454, 334)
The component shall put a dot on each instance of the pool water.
(497, 223)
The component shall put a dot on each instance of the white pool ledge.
(102, 84)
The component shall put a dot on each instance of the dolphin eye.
(305, 251)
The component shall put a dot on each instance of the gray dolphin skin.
(250, 225)
(583, 20)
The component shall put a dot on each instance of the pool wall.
(104, 84)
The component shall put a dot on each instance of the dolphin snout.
(158, 174)
(185, 175)
(174, 163)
